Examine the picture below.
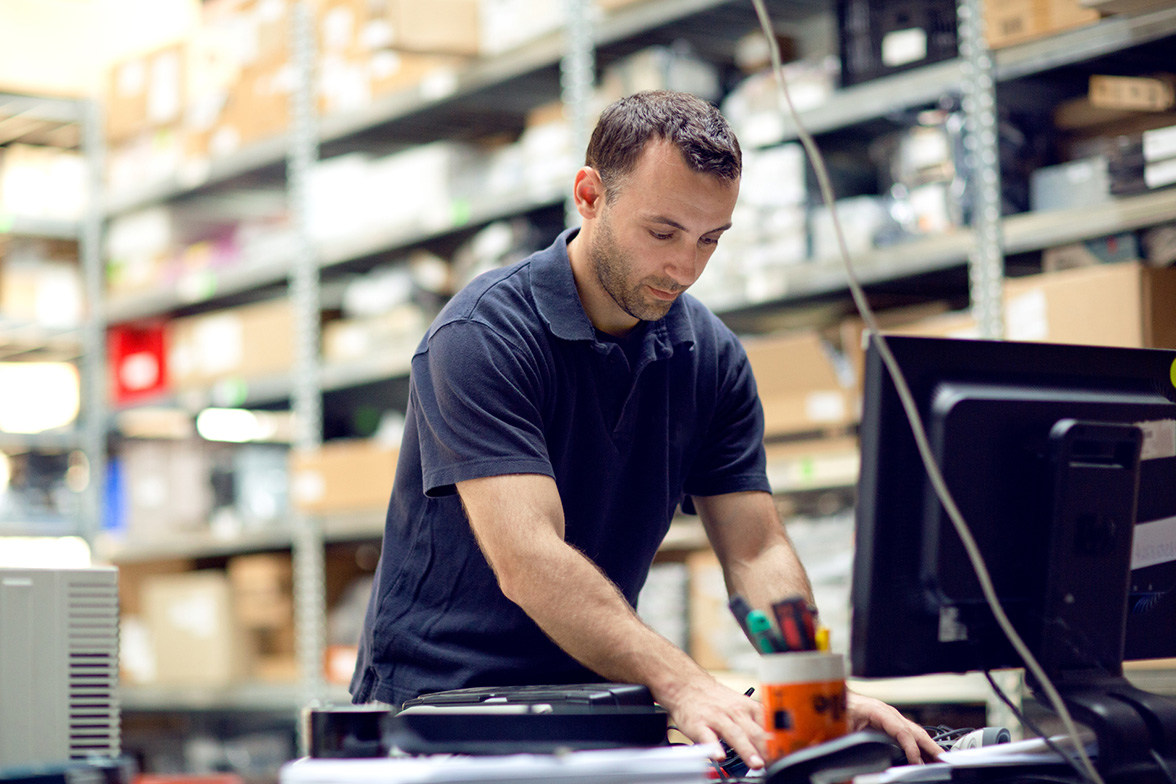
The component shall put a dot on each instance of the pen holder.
(804, 699)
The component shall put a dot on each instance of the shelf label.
(1159, 439)
(1154, 543)
(7, 221)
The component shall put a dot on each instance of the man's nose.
(683, 266)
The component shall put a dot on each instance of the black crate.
(881, 37)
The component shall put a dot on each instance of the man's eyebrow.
(671, 222)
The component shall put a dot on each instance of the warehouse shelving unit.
(409, 113)
(68, 124)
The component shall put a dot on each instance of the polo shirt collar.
(558, 302)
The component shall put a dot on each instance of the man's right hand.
(705, 711)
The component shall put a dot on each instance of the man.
(559, 412)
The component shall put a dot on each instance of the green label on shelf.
(459, 212)
(6, 223)
(230, 392)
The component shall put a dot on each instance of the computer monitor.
(1056, 455)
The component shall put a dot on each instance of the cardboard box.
(1134, 93)
(263, 590)
(1011, 22)
(249, 342)
(147, 91)
(437, 27)
(343, 476)
(1123, 304)
(799, 386)
(194, 634)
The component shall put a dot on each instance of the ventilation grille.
(93, 667)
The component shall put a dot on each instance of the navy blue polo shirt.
(511, 378)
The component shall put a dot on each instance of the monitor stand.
(1095, 469)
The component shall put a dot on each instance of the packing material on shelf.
(1009, 22)
(247, 342)
(674, 67)
(753, 106)
(359, 195)
(194, 634)
(41, 283)
(351, 475)
(42, 182)
(802, 383)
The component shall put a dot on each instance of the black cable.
(1163, 766)
(1082, 774)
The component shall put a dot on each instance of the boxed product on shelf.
(1085, 182)
(352, 475)
(145, 92)
(168, 487)
(150, 156)
(1136, 93)
(247, 342)
(878, 39)
(194, 632)
(800, 383)
(1010, 22)
(136, 356)
(1124, 304)
(261, 487)
(42, 182)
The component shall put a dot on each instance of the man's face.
(654, 238)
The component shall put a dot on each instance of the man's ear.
(588, 192)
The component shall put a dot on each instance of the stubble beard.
(613, 270)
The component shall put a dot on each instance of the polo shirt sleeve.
(475, 408)
(732, 456)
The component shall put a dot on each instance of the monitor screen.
(1056, 455)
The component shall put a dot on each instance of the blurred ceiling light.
(238, 425)
(37, 396)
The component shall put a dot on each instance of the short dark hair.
(691, 124)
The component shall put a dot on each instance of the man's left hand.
(867, 712)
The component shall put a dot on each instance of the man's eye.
(660, 236)
(709, 240)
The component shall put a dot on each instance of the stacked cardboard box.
(1016, 21)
